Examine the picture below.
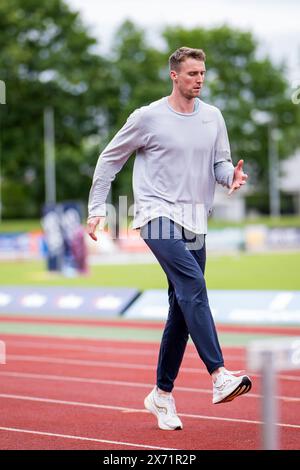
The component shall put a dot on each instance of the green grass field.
(26, 225)
(242, 271)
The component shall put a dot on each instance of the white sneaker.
(163, 407)
(228, 386)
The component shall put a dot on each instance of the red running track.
(88, 394)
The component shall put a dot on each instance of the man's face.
(189, 79)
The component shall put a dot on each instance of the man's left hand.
(239, 177)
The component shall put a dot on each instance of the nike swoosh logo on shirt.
(206, 122)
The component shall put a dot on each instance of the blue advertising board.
(65, 301)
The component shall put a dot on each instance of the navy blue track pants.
(182, 256)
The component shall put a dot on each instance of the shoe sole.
(151, 408)
(241, 389)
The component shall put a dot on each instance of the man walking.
(182, 150)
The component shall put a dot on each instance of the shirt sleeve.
(223, 166)
(129, 138)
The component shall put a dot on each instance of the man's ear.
(173, 75)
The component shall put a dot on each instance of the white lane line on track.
(105, 349)
(133, 410)
(80, 438)
(118, 365)
(118, 383)
(139, 352)
(122, 351)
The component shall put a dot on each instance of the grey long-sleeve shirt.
(179, 158)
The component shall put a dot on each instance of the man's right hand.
(92, 224)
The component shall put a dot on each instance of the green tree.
(49, 59)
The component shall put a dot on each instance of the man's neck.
(181, 104)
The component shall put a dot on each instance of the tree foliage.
(48, 58)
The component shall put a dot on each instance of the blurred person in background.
(182, 150)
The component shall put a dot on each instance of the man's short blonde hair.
(183, 53)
